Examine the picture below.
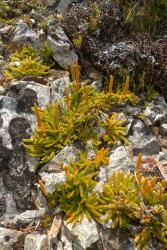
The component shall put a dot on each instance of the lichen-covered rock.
(145, 144)
(63, 5)
(51, 179)
(156, 111)
(23, 34)
(16, 123)
(60, 45)
(53, 233)
(28, 216)
(112, 239)
(9, 238)
(57, 88)
(35, 241)
(163, 129)
(85, 233)
(64, 157)
(119, 160)
(27, 93)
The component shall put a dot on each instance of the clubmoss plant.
(136, 200)
(74, 118)
(120, 202)
(114, 130)
(126, 200)
(76, 197)
(26, 62)
(4, 9)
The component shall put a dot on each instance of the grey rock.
(85, 233)
(139, 127)
(64, 157)
(28, 216)
(27, 93)
(57, 88)
(1, 90)
(66, 240)
(51, 179)
(7, 205)
(163, 129)
(119, 161)
(60, 246)
(61, 48)
(2, 204)
(5, 30)
(162, 157)
(22, 34)
(97, 85)
(63, 5)
(8, 103)
(132, 111)
(42, 92)
(156, 111)
(57, 74)
(51, 2)
(93, 74)
(113, 239)
(2, 48)
(147, 145)
(53, 233)
(35, 241)
(9, 237)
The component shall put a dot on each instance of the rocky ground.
(23, 207)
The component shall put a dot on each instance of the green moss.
(126, 200)
(147, 16)
(136, 200)
(46, 220)
(114, 130)
(76, 197)
(26, 62)
(47, 55)
(4, 9)
(119, 199)
(76, 118)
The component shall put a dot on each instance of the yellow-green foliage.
(125, 200)
(4, 8)
(26, 62)
(74, 118)
(77, 39)
(90, 166)
(104, 100)
(135, 199)
(46, 220)
(145, 16)
(46, 54)
(121, 203)
(76, 196)
(147, 90)
(55, 129)
(153, 211)
(114, 130)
